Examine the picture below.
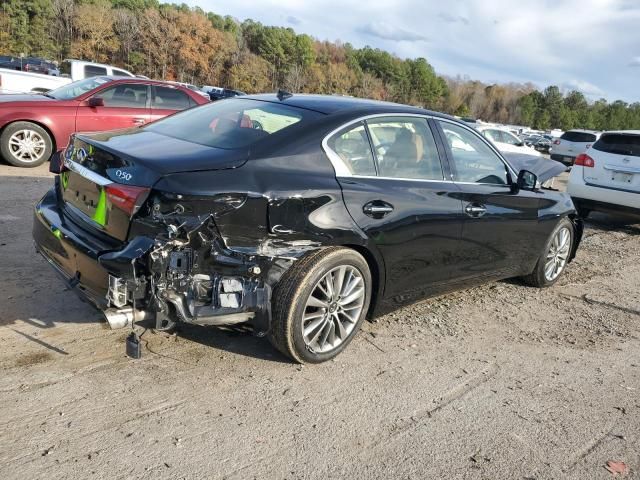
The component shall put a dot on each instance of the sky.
(588, 45)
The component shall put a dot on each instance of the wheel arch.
(44, 126)
(376, 267)
(578, 229)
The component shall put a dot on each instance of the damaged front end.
(177, 268)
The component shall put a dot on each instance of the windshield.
(232, 123)
(78, 88)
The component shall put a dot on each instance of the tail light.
(126, 197)
(556, 142)
(585, 160)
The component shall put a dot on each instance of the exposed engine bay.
(186, 273)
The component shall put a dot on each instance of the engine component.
(124, 317)
(117, 293)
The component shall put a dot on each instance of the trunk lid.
(616, 159)
(109, 175)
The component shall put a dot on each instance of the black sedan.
(300, 215)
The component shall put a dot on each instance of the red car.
(32, 126)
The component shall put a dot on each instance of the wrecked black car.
(300, 215)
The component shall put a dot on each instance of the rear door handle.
(139, 121)
(377, 209)
(475, 210)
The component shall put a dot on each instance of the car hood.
(542, 167)
(29, 98)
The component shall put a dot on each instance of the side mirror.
(520, 144)
(96, 102)
(527, 180)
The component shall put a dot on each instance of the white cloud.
(386, 31)
(589, 89)
(587, 41)
(293, 20)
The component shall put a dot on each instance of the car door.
(500, 234)
(125, 105)
(167, 100)
(393, 183)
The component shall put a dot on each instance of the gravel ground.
(502, 381)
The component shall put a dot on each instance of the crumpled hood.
(544, 168)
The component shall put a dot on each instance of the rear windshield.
(233, 123)
(620, 144)
(579, 137)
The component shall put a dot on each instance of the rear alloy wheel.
(25, 144)
(555, 257)
(319, 305)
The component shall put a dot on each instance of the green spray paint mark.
(100, 215)
(64, 177)
(56, 233)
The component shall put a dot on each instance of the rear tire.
(554, 257)
(319, 305)
(25, 144)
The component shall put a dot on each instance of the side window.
(170, 99)
(473, 159)
(125, 95)
(120, 73)
(492, 135)
(93, 71)
(405, 148)
(354, 150)
(510, 138)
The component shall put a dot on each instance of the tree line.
(177, 42)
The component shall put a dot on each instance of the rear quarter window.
(579, 137)
(619, 144)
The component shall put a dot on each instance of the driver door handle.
(139, 121)
(377, 209)
(475, 210)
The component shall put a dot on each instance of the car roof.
(330, 104)
(623, 132)
(581, 130)
(119, 79)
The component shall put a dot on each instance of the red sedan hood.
(27, 98)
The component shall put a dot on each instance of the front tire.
(555, 256)
(319, 305)
(25, 144)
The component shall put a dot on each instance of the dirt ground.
(502, 381)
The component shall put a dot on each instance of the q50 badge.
(121, 175)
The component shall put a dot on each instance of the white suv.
(607, 179)
(571, 144)
(506, 141)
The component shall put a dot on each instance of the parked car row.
(29, 64)
(506, 141)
